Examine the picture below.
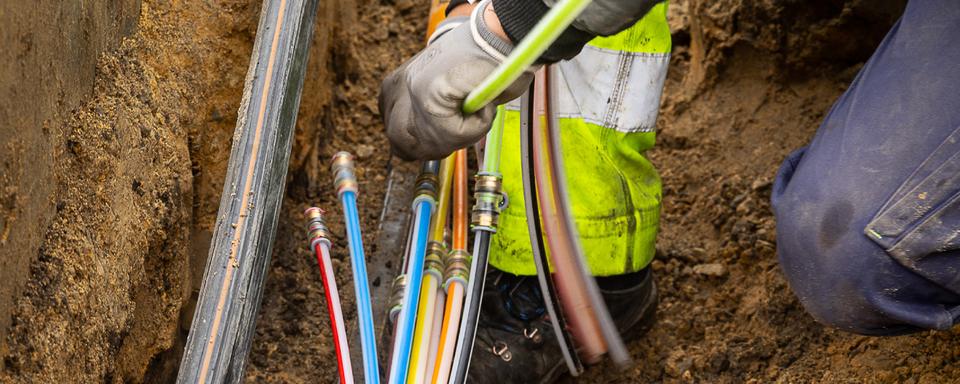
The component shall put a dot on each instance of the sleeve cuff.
(494, 45)
(519, 16)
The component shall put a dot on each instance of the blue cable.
(345, 181)
(371, 370)
(408, 312)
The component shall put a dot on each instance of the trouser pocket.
(919, 225)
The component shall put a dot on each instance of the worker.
(609, 100)
(868, 215)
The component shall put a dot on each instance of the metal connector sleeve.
(316, 229)
(487, 196)
(458, 267)
(344, 173)
(396, 297)
(433, 261)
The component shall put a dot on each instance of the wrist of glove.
(421, 100)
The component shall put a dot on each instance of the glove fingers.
(391, 89)
(440, 137)
(400, 125)
(476, 125)
(435, 141)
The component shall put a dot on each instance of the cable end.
(344, 173)
(316, 229)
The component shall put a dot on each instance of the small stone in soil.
(710, 269)
(364, 151)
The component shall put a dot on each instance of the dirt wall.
(137, 170)
(47, 67)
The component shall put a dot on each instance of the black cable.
(472, 313)
(547, 286)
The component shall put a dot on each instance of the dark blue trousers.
(868, 214)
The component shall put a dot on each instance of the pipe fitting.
(458, 267)
(426, 188)
(488, 195)
(316, 229)
(396, 297)
(344, 173)
(427, 180)
(433, 261)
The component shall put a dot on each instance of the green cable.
(491, 155)
(530, 48)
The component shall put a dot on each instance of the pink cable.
(571, 288)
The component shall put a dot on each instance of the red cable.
(321, 248)
(333, 317)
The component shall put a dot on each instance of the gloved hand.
(421, 100)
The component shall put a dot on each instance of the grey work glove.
(421, 100)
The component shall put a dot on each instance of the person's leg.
(868, 215)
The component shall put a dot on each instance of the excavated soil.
(136, 171)
(142, 161)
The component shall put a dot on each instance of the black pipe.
(225, 317)
(481, 250)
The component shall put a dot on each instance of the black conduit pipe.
(225, 316)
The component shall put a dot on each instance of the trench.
(749, 82)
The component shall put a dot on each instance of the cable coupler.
(488, 195)
(434, 259)
(316, 229)
(344, 174)
(458, 268)
(396, 297)
(426, 185)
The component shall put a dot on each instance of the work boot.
(515, 339)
